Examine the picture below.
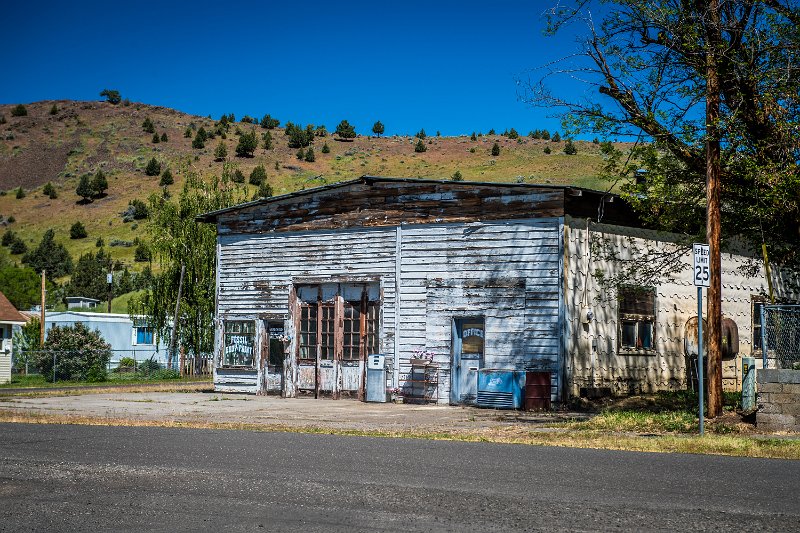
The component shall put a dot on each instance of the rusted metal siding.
(507, 272)
(676, 303)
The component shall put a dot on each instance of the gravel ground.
(209, 407)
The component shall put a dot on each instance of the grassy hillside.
(82, 137)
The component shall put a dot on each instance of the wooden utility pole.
(713, 223)
(175, 318)
(41, 314)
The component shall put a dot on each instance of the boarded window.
(338, 321)
(637, 312)
(239, 343)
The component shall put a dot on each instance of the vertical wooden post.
(41, 313)
(713, 223)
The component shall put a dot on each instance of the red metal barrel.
(537, 390)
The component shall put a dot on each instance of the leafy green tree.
(85, 189)
(734, 158)
(166, 178)
(264, 190)
(18, 247)
(269, 123)
(148, 126)
(187, 133)
(237, 176)
(247, 144)
(301, 154)
(326, 149)
(22, 286)
(77, 231)
(221, 151)
(100, 183)
(178, 239)
(258, 174)
(570, 148)
(421, 134)
(112, 96)
(556, 137)
(153, 167)
(81, 354)
(491, 132)
(547, 150)
(54, 110)
(100, 242)
(545, 135)
(310, 157)
(267, 138)
(50, 256)
(321, 131)
(19, 111)
(8, 237)
(164, 137)
(299, 138)
(49, 190)
(495, 150)
(137, 210)
(200, 138)
(156, 138)
(473, 137)
(345, 131)
(20, 194)
(420, 146)
(89, 276)
(142, 253)
(513, 134)
(457, 176)
(378, 128)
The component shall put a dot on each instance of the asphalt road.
(83, 478)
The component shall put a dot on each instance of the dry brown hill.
(82, 137)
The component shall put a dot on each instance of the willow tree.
(179, 243)
(710, 88)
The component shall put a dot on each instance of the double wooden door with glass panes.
(338, 325)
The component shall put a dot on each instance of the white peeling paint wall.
(676, 302)
(506, 272)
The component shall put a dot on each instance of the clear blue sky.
(449, 65)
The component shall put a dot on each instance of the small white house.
(81, 302)
(10, 319)
(127, 337)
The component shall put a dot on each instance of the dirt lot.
(209, 407)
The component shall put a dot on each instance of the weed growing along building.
(480, 275)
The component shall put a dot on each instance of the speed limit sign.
(700, 271)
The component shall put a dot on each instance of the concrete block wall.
(778, 400)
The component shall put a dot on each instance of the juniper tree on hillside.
(85, 189)
(377, 128)
(345, 130)
(153, 167)
(99, 183)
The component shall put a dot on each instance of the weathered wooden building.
(480, 275)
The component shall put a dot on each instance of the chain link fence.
(780, 336)
(124, 364)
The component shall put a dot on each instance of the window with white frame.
(637, 318)
(143, 335)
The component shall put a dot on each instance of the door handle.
(475, 368)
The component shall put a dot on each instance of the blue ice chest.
(500, 389)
